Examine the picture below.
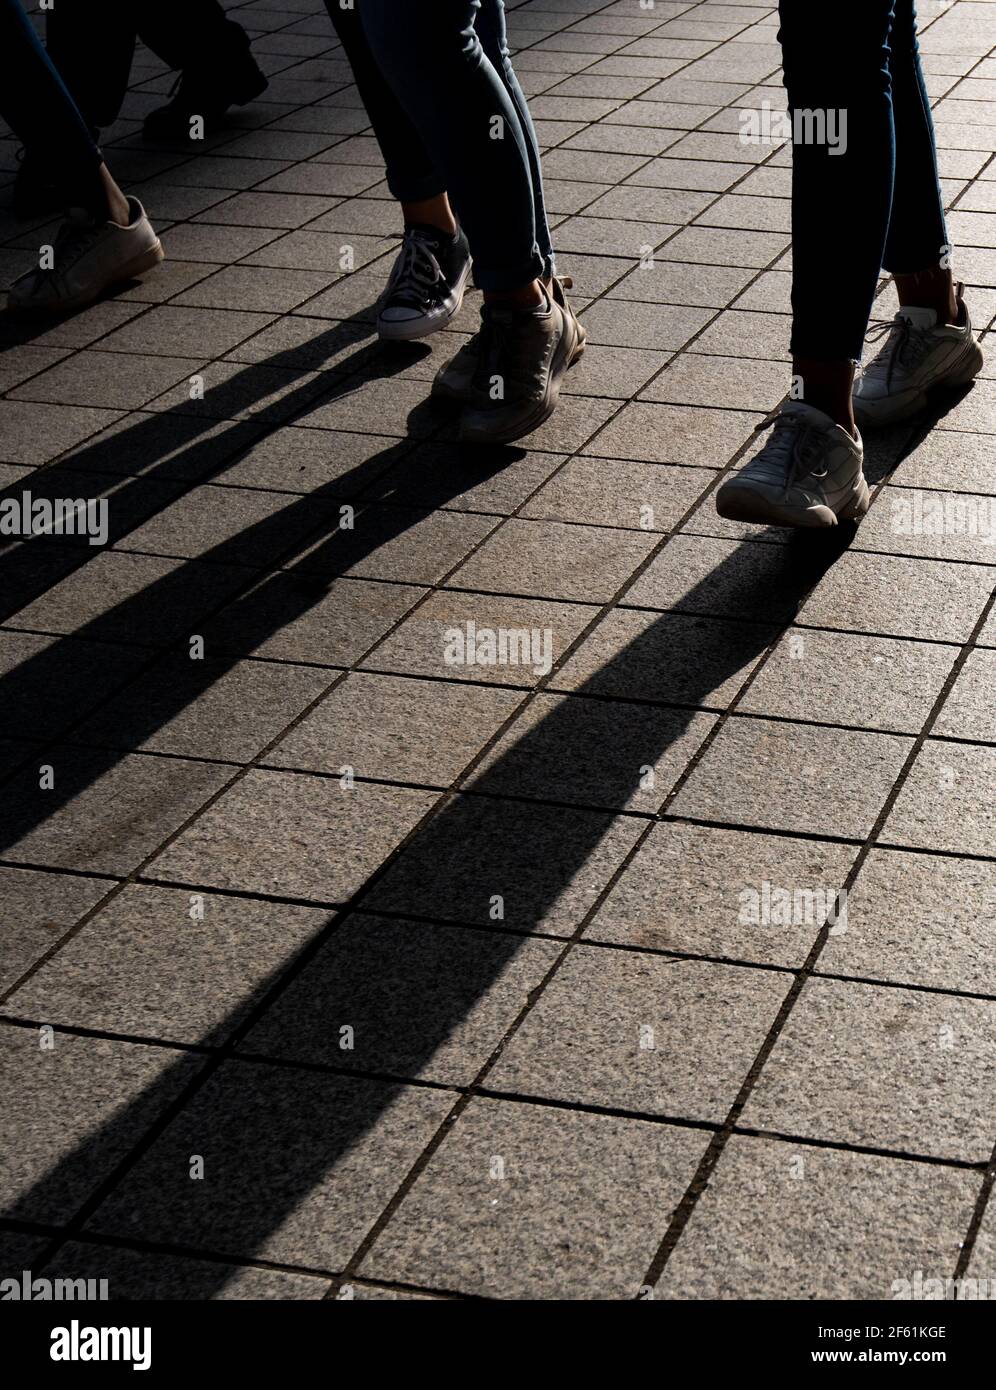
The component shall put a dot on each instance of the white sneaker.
(918, 355)
(808, 474)
(88, 257)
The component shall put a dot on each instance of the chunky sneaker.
(523, 357)
(426, 285)
(807, 474)
(88, 257)
(919, 355)
(208, 91)
(455, 379)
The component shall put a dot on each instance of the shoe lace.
(415, 273)
(72, 239)
(790, 447)
(905, 344)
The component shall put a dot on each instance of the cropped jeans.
(449, 116)
(876, 203)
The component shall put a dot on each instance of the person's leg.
(432, 59)
(930, 342)
(917, 252)
(213, 56)
(92, 44)
(836, 69)
(39, 110)
(491, 30)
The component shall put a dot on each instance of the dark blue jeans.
(878, 203)
(41, 113)
(449, 116)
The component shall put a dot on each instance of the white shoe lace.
(905, 347)
(415, 275)
(790, 448)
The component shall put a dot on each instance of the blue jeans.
(449, 115)
(877, 204)
(41, 113)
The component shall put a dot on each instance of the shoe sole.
(138, 265)
(876, 418)
(410, 330)
(745, 504)
(545, 408)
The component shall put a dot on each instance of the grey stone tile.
(793, 777)
(140, 1275)
(330, 252)
(611, 236)
(841, 678)
(38, 909)
(34, 432)
(297, 617)
(725, 247)
(117, 381)
(28, 362)
(423, 1001)
(659, 1036)
(789, 1221)
(664, 657)
(919, 919)
(444, 475)
(73, 1111)
(548, 559)
(707, 175)
(527, 867)
(618, 372)
(396, 543)
(144, 599)
(297, 1165)
(947, 800)
(36, 704)
(633, 202)
(205, 709)
(671, 282)
(283, 209)
(196, 332)
(297, 836)
(104, 813)
(673, 434)
(718, 578)
(310, 462)
(254, 288)
(938, 525)
(737, 333)
(372, 407)
(696, 890)
(234, 525)
(614, 492)
(932, 599)
(198, 241)
(719, 381)
(643, 325)
(885, 1068)
(552, 1224)
(631, 754)
(397, 729)
(425, 644)
(949, 459)
(17, 1253)
(165, 963)
(970, 709)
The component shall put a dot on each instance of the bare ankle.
(529, 296)
(932, 288)
(826, 386)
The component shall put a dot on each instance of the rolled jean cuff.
(409, 189)
(511, 277)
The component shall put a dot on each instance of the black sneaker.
(523, 358)
(426, 286)
(207, 92)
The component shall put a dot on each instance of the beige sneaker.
(918, 356)
(455, 379)
(88, 258)
(808, 474)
